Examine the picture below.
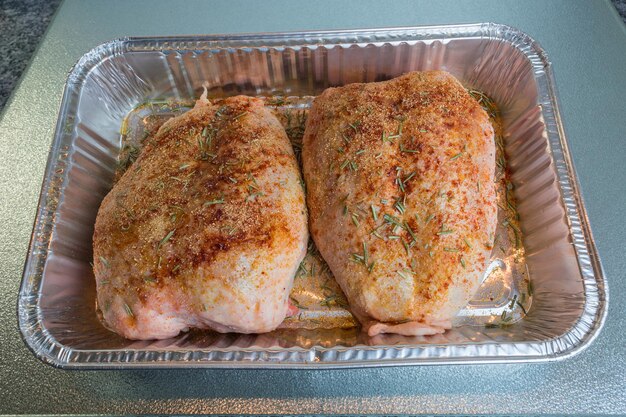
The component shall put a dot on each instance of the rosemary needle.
(166, 238)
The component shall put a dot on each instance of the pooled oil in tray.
(503, 298)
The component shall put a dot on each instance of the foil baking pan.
(544, 296)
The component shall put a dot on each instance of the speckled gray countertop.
(23, 23)
(620, 5)
(586, 43)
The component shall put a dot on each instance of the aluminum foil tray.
(543, 298)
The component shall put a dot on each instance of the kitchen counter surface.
(586, 42)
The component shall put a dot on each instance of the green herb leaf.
(355, 125)
(213, 202)
(392, 220)
(407, 248)
(400, 184)
(301, 269)
(408, 229)
(522, 307)
(399, 205)
(374, 212)
(296, 303)
(406, 274)
(166, 238)
(105, 262)
(403, 149)
(457, 156)
(445, 232)
(128, 310)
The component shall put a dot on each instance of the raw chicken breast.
(206, 229)
(401, 196)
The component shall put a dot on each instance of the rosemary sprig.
(276, 101)
(411, 175)
(457, 156)
(296, 303)
(374, 231)
(400, 184)
(104, 262)
(399, 205)
(404, 274)
(301, 269)
(128, 310)
(229, 229)
(408, 229)
(393, 220)
(374, 212)
(485, 102)
(406, 247)
(403, 149)
(215, 201)
(443, 231)
(522, 307)
(166, 238)
(363, 258)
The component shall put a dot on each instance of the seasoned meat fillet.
(401, 196)
(206, 229)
